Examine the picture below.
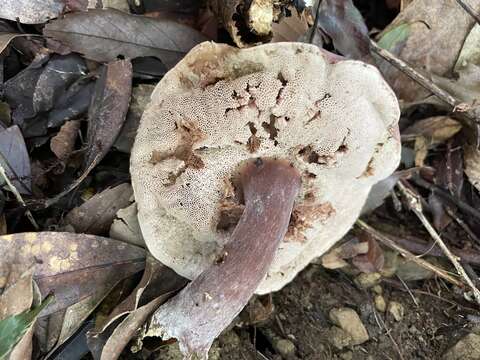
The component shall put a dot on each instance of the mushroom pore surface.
(335, 121)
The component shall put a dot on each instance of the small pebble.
(366, 281)
(285, 347)
(377, 289)
(349, 321)
(380, 303)
(467, 348)
(396, 310)
(346, 355)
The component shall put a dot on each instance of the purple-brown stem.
(206, 306)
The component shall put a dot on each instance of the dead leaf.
(430, 132)
(290, 28)
(157, 285)
(344, 24)
(335, 258)
(41, 94)
(109, 109)
(63, 143)
(429, 25)
(436, 129)
(127, 329)
(140, 99)
(72, 266)
(104, 35)
(31, 11)
(96, 215)
(373, 260)
(6, 37)
(126, 227)
(15, 160)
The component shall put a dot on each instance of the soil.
(431, 324)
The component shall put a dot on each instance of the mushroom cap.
(335, 121)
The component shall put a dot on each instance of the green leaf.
(14, 327)
(393, 37)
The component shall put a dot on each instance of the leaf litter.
(70, 107)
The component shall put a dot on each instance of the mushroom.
(250, 163)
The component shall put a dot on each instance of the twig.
(463, 225)
(469, 10)
(420, 247)
(409, 291)
(50, 202)
(414, 74)
(416, 206)
(381, 324)
(444, 194)
(407, 254)
(19, 198)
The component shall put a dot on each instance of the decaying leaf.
(342, 21)
(109, 108)
(48, 91)
(428, 25)
(291, 28)
(430, 132)
(335, 258)
(125, 226)
(96, 215)
(104, 35)
(63, 143)
(373, 260)
(31, 11)
(15, 159)
(157, 285)
(72, 266)
(140, 98)
(7, 37)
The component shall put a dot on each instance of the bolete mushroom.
(250, 163)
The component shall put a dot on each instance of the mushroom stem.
(206, 306)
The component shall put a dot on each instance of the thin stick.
(407, 254)
(469, 10)
(19, 198)
(416, 206)
(381, 324)
(447, 196)
(414, 74)
(56, 198)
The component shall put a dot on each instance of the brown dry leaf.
(125, 226)
(430, 132)
(96, 215)
(373, 260)
(104, 35)
(63, 143)
(6, 37)
(335, 258)
(130, 326)
(290, 28)
(109, 109)
(157, 285)
(140, 99)
(432, 45)
(72, 266)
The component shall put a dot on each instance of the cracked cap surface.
(335, 121)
